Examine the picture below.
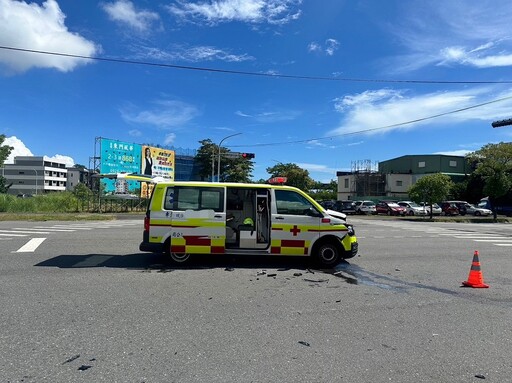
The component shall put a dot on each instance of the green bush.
(64, 202)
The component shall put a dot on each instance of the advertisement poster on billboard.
(155, 162)
(118, 157)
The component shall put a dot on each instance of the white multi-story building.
(35, 175)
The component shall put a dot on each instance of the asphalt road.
(83, 305)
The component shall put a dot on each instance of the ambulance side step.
(246, 251)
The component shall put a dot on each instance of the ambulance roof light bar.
(277, 180)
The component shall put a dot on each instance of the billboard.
(125, 157)
(118, 157)
(156, 162)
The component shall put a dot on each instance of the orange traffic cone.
(475, 278)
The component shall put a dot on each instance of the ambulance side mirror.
(312, 212)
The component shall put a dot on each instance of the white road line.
(24, 232)
(49, 229)
(475, 237)
(31, 245)
(72, 227)
(494, 240)
(502, 244)
(13, 235)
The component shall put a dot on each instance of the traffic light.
(499, 124)
(248, 156)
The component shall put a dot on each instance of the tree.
(494, 165)
(5, 150)
(431, 188)
(233, 168)
(82, 192)
(296, 176)
(324, 192)
(205, 157)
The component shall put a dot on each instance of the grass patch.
(56, 217)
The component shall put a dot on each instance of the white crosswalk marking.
(484, 234)
(15, 232)
(31, 245)
(24, 232)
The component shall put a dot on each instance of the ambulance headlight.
(351, 230)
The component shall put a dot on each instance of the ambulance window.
(290, 202)
(199, 198)
(169, 199)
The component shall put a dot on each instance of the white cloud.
(330, 46)
(314, 47)
(460, 152)
(377, 111)
(42, 28)
(169, 139)
(271, 116)
(135, 133)
(250, 11)
(242, 114)
(60, 158)
(19, 149)
(317, 168)
(124, 12)
(162, 114)
(478, 34)
(192, 54)
(224, 129)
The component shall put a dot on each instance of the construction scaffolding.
(367, 181)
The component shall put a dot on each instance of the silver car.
(436, 209)
(478, 211)
(412, 208)
(365, 207)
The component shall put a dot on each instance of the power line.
(247, 73)
(378, 128)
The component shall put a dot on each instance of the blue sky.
(323, 84)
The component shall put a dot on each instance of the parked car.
(477, 211)
(389, 208)
(462, 206)
(436, 209)
(365, 207)
(412, 208)
(327, 204)
(346, 206)
(449, 208)
(502, 205)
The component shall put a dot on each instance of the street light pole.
(218, 160)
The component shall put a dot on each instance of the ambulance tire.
(180, 258)
(328, 253)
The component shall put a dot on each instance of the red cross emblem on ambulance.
(294, 230)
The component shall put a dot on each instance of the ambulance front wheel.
(328, 254)
(180, 257)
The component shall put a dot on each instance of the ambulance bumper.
(354, 249)
(351, 251)
(151, 247)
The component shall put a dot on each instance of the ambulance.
(188, 218)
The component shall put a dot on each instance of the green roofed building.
(454, 166)
(392, 178)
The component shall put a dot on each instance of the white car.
(436, 209)
(365, 207)
(475, 210)
(412, 208)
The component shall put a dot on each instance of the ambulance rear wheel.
(180, 257)
(328, 254)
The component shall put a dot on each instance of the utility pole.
(218, 160)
